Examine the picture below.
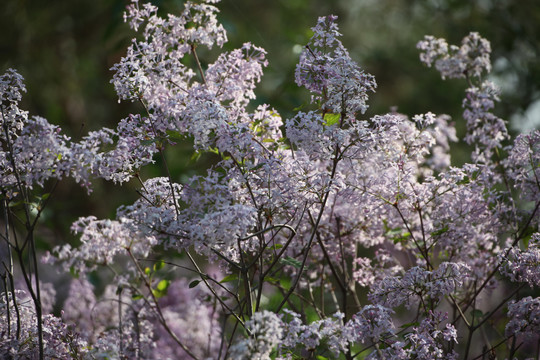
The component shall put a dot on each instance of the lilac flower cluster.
(18, 337)
(420, 284)
(426, 341)
(485, 130)
(523, 165)
(524, 265)
(289, 214)
(524, 317)
(326, 69)
(471, 59)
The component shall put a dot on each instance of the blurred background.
(64, 49)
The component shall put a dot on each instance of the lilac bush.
(321, 236)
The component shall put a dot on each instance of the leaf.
(195, 157)
(194, 283)
(147, 270)
(161, 288)
(136, 296)
(404, 326)
(229, 278)
(402, 238)
(477, 313)
(291, 261)
(275, 247)
(159, 265)
(331, 119)
(148, 142)
(393, 232)
(440, 231)
(465, 181)
(175, 135)
(299, 107)
(163, 285)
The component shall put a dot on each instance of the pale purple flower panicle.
(371, 324)
(524, 317)
(524, 265)
(418, 283)
(194, 320)
(484, 129)
(61, 340)
(102, 241)
(326, 69)
(469, 60)
(523, 166)
(266, 333)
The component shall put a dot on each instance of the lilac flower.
(326, 69)
(266, 333)
(524, 265)
(372, 323)
(469, 60)
(233, 76)
(484, 129)
(36, 148)
(524, 317)
(330, 331)
(418, 284)
(192, 318)
(372, 271)
(60, 341)
(102, 241)
(427, 341)
(523, 165)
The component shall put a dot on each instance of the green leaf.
(161, 288)
(331, 119)
(175, 135)
(299, 107)
(271, 280)
(163, 285)
(147, 270)
(440, 231)
(393, 232)
(477, 314)
(17, 203)
(465, 181)
(195, 157)
(159, 265)
(229, 278)
(404, 326)
(291, 261)
(402, 238)
(194, 283)
(148, 142)
(136, 296)
(277, 246)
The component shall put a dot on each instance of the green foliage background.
(64, 49)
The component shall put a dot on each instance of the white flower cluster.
(419, 284)
(471, 59)
(266, 332)
(524, 317)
